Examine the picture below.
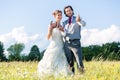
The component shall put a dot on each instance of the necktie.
(69, 20)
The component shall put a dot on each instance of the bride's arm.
(50, 28)
(49, 32)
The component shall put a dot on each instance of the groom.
(72, 36)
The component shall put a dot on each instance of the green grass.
(95, 70)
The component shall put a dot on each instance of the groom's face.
(68, 12)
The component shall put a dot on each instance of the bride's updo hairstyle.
(56, 12)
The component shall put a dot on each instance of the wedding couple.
(65, 46)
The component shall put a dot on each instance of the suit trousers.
(73, 51)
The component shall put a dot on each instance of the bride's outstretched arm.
(50, 28)
(49, 32)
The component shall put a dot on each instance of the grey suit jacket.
(73, 31)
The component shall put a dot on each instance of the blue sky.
(30, 19)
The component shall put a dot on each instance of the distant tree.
(34, 54)
(2, 56)
(86, 53)
(110, 51)
(24, 57)
(15, 51)
(91, 52)
(114, 53)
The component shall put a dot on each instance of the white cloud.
(97, 36)
(19, 35)
(89, 37)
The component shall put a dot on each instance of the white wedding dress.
(54, 61)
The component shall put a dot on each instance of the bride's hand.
(53, 25)
(61, 28)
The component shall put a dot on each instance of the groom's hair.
(70, 8)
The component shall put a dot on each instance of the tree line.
(108, 51)
(15, 53)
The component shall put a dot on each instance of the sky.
(26, 21)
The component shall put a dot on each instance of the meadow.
(94, 70)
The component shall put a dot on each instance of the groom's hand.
(78, 18)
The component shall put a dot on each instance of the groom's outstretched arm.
(80, 21)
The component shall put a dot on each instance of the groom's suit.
(72, 45)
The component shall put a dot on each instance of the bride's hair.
(56, 12)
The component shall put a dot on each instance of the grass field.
(95, 70)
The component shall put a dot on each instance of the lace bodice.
(56, 35)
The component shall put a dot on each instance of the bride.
(54, 61)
